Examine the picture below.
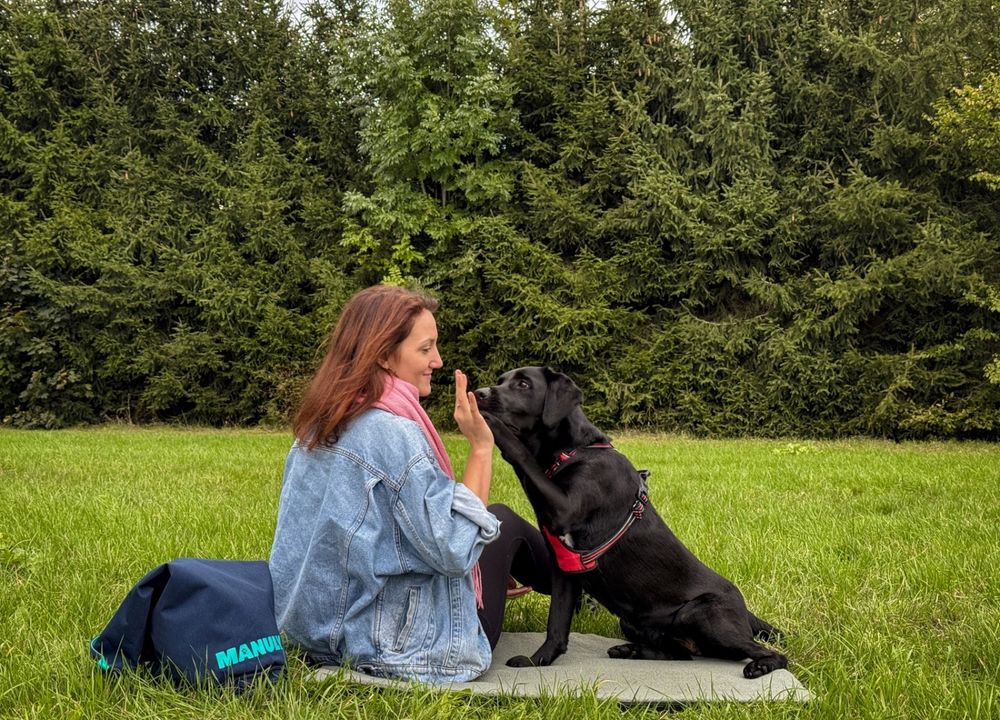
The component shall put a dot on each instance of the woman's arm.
(479, 467)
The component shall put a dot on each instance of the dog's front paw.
(519, 661)
(510, 446)
(501, 433)
(539, 659)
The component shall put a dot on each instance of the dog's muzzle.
(484, 397)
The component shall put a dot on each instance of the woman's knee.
(501, 511)
(513, 521)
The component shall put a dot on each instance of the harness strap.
(575, 561)
(638, 507)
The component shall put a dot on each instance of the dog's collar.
(576, 561)
(565, 455)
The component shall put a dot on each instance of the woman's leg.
(521, 552)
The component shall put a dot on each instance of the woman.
(377, 549)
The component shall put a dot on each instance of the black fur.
(670, 604)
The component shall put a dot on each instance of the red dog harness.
(577, 561)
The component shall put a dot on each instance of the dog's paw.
(625, 651)
(490, 419)
(503, 438)
(496, 426)
(762, 666)
(536, 660)
(634, 651)
(519, 661)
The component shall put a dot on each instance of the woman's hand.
(479, 465)
(470, 421)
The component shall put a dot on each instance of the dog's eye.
(523, 384)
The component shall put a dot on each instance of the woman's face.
(417, 356)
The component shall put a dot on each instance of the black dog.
(607, 539)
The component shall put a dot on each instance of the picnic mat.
(586, 668)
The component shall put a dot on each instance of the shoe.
(514, 590)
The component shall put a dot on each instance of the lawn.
(880, 562)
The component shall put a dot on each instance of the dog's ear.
(561, 396)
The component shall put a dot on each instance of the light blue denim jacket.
(373, 553)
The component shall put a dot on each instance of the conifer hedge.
(727, 218)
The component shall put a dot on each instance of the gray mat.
(587, 668)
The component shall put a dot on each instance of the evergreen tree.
(799, 264)
(50, 216)
(967, 124)
(169, 200)
(721, 217)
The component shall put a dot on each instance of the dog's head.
(530, 399)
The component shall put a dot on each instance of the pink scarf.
(403, 399)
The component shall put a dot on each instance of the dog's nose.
(482, 394)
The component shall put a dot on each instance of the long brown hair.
(350, 380)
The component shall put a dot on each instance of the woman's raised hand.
(470, 421)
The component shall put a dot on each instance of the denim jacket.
(373, 552)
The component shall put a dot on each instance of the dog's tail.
(764, 630)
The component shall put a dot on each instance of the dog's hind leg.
(720, 627)
(763, 660)
(634, 651)
(648, 645)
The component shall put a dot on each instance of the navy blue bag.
(194, 619)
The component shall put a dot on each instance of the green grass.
(879, 561)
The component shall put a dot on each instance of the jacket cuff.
(466, 504)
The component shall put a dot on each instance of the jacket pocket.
(409, 619)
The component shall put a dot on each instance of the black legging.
(520, 551)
